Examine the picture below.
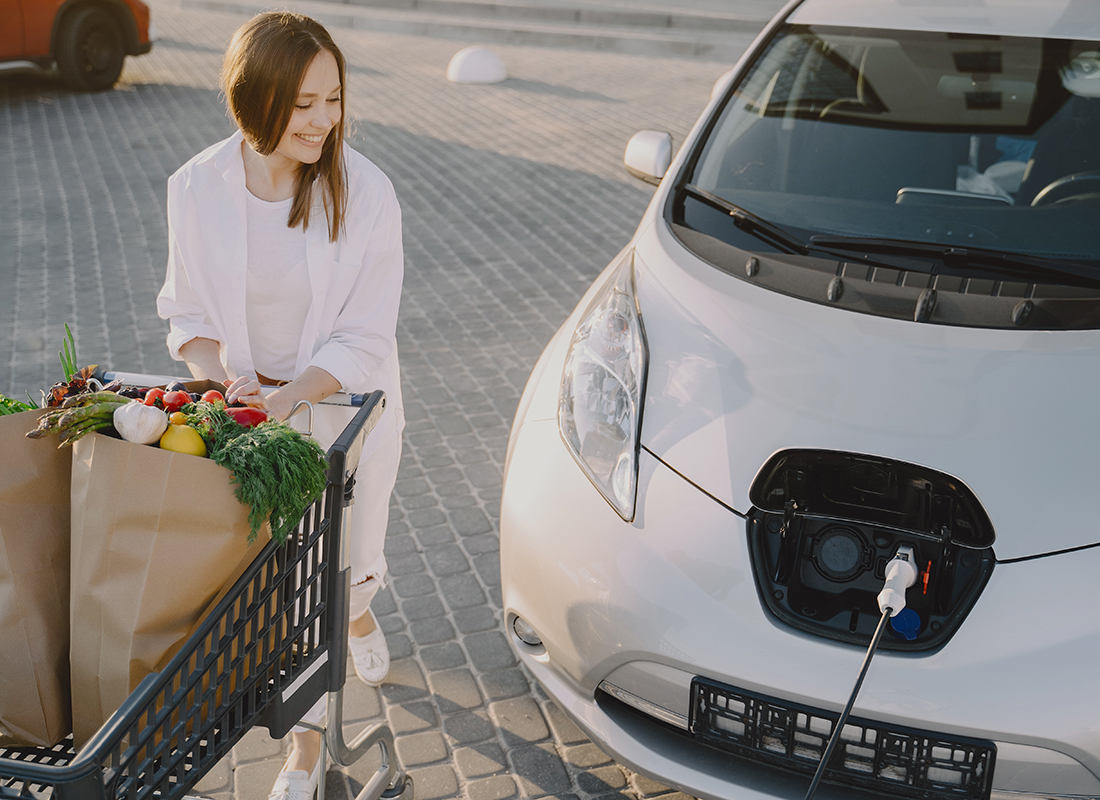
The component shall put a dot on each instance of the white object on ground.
(476, 65)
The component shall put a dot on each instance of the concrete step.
(632, 29)
(583, 13)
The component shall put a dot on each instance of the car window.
(954, 139)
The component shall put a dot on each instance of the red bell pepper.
(247, 416)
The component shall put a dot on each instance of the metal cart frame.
(268, 650)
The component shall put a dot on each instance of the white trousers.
(370, 512)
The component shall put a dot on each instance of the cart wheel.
(400, 789)
(90, 50)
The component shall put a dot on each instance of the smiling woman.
(284, 270)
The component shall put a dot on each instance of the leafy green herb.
(68, 355)
(212, 422)
(9, 406)
(278, 472)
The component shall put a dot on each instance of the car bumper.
(645, 606)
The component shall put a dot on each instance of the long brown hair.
(264, 66)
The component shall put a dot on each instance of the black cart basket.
(265, 654)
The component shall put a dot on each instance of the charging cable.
(901, 573)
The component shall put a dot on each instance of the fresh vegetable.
(278, 474)
(153, 397)
(139, 423)
(9, 406)
(176, 386)
(175, 400)
(247, 416)
(177, 418)
(212, 396)
(210, 420)
(183, 439)
(75, 385)
(68, 355)
(79, 415)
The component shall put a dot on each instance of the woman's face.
(316, 111)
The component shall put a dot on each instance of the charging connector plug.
(901, 573)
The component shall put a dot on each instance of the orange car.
(87, 39)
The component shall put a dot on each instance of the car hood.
(737, 373)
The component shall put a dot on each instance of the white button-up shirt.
(350, 328)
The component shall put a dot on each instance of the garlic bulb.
(139, 423)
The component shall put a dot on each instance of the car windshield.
(948, 139)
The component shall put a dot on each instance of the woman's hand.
(314, 385)
(245, 390)
(248, 391)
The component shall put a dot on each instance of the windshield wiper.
(750, 223)
(1016, 265)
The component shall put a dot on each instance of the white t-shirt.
(277, 288)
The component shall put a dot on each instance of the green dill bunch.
(278, 472)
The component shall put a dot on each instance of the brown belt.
(266, 381)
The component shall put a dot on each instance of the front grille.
(890, 760)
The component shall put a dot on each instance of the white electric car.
(860, 315)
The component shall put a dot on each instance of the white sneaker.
(370, 655)
(296, 784)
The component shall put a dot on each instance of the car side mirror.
(648, 155)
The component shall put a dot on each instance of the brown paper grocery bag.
(34, 585)
(156, 536)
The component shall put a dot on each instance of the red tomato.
(174, 401)
(153, 397)
(212, 396)
(249, 417)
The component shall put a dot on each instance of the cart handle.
(141, 379)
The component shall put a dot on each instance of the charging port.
(826, 524)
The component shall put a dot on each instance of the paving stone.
(411, 717)
(647, 787)
(405, 682)
(434, 783)
(253, 781)
(565, 730)
(504, 683)
(585, 756)
(472, 620)
(432, 631)
(417, 749)
(257, 745)
(519, 721)
(601, 779)
(461, 591)
(454, 690)
(539, 770)
(442, 656)
(480, 760)
(418, 608)
(498, 787)
(218, 781)
(361, 702)
(488, 567)
(469, 522)
(483, 543)
(489, 650)
(447, 560)
(436, 535)
(468, 727)
(413, 585)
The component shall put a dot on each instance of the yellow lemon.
(183, 439)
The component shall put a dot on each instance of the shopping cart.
(267, 652)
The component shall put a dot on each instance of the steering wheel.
(1079, 184)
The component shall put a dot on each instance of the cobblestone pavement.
(514, 197)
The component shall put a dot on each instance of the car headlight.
(600, 405)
